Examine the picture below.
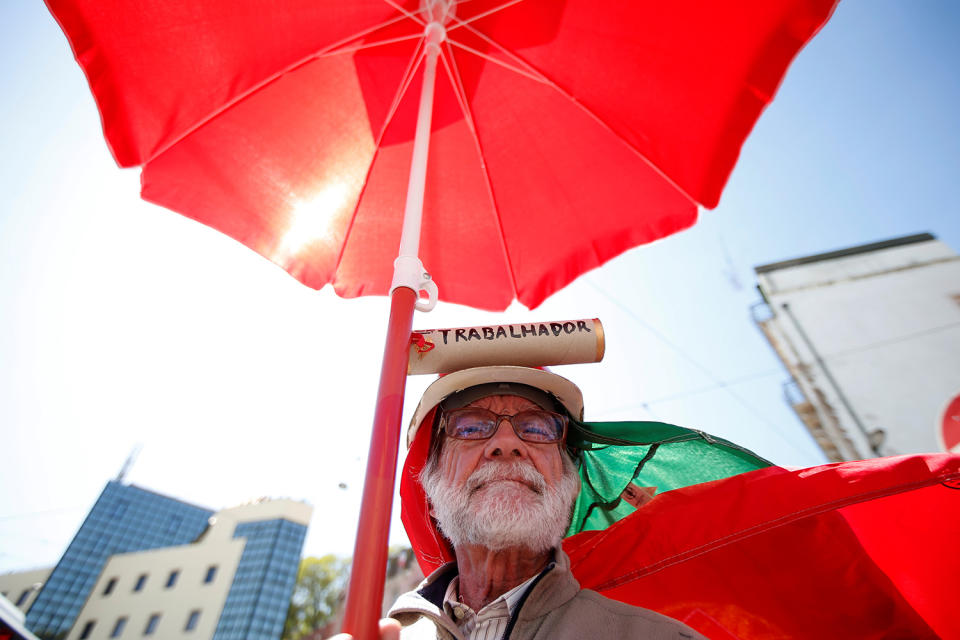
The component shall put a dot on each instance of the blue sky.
(123, 323)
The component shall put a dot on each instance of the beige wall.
(173, 604)
(264, 509)
(13, 585)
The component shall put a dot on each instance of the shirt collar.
(510, 599)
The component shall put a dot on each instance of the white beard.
(497, 514)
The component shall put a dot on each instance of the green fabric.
(648, 454)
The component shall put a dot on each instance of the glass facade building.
(259, 597)
(124, 518)
(145, 564)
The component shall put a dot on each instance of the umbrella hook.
(408, 271)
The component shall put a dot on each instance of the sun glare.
(312, 220)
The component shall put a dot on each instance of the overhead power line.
(718, 383)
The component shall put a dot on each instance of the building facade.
(21, 588)
(143, 564)
(871, 337)
(124, 518)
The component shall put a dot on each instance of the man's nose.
(504, 443)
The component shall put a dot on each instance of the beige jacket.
(554, 607)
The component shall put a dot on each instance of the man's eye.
(536, 428)
(470, 428)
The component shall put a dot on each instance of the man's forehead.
(468, 396)
(504, 403)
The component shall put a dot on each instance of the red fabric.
(860, 549)
(851, 550)
(430, 546)
(239, 115)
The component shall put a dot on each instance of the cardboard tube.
(530, 344)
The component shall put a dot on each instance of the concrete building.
(21, 588)
(871, 337)
(145, 564)
(125, 518)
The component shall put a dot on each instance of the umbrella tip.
(438, 11)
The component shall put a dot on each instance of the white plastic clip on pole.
(408, 270)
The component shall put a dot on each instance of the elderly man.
(501, 484)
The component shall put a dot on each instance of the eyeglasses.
(474, 423)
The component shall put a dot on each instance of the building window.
(211, 574)
(141, 580)
(192, 620)
(110, 585)
(172, 578)
(87, 628)
(118, 627)
(119, 508)
(26, 594)
(174, 523)
(152, 624)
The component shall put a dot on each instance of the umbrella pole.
(365, 591)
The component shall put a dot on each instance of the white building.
(871, 336)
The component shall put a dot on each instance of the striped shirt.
(491, 621)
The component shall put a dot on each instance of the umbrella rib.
(480, 54)
(462, 23)
(546, 80)
(369, 45)
(412, 15)
(453, 74)
(359, 34)
(415, 59)
(405, 81)
(260, 85)
(532, 70)
(457, 83)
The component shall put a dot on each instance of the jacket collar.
(555, 588)
(435, 586)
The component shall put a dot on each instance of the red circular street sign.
(950, 425)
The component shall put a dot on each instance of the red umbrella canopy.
(564, 131)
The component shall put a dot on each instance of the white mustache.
(516, 471)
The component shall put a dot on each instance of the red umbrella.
(563, 133)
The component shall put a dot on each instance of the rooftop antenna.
(129, 462)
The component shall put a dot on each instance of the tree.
(317, 595)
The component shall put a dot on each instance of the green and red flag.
(702, 530)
